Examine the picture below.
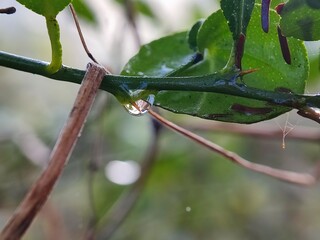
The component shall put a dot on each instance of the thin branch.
(121, 209)
(287, 176)
(219, 82)
(38, 194)
(76, 21)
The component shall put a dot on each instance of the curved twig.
(287, 176)
(83, 42)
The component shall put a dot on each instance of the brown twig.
(39, 192)
(76, 21)
(287, 176)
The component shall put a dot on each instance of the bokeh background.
(189, 192)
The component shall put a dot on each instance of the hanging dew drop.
(140, 107)
(137, 108)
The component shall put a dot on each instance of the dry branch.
(39, 192)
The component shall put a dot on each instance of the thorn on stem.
(245, 72)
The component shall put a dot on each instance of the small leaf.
(193, 35)
(215, 38)
(301, 19)
(47, 8)
(238, 14)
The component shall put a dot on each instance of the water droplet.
(140, 107)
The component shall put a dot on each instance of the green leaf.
(165, 56)
(84, 11)
(237, 13)
(301, 19)
(215, 38)
(262, 52)
(47, 8)
(161, 57)
(193, 35)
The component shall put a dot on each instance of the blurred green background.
(191, 193)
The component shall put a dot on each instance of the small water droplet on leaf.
(140, 107)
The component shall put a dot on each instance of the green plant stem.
(224, 83)
(56, 48)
